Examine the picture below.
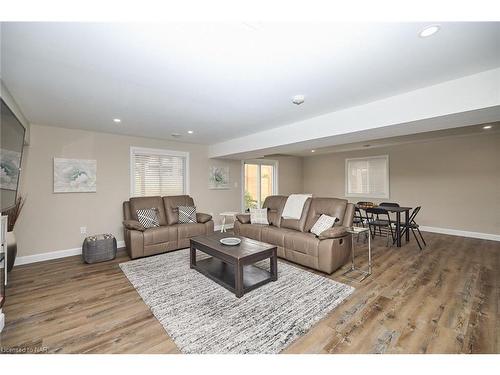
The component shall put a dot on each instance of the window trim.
(355, 195)
(157, 151)
(272, 162)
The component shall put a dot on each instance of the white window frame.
(274, 163)
(385, 196)
(157, 151)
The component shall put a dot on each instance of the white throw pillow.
(324, 222)
(258, 216)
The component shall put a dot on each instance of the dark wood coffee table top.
(233, 266)
(247, 248)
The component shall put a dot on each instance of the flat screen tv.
(11, 152)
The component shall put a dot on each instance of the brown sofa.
(326, 253)
(170, 235)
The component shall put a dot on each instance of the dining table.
(398, 211)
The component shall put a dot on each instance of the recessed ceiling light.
(117, 120)
(313, 150)
(190, 132)
(429, 30)
(487, 127)
(298, 99)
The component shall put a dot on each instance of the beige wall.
(455, 180)
(290, 174)
(51, 222)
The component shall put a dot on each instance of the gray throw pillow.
(148, 217)
(187, 214)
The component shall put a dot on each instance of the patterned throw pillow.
(187, 214)
(258, 216)
(324, 222)
(148, 217)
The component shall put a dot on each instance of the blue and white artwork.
(75, 176)
(218, 178)
(9, 169)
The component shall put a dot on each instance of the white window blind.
(158, 172)
(367, 177)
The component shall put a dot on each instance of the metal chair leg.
(422, 237)
(416, 238)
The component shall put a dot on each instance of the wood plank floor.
(444, 299)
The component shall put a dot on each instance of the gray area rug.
(203, 317)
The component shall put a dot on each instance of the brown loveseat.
(326, 253)
(170, 235)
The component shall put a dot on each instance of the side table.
(367, 272)
(224, 215)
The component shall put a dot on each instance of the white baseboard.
(461, 233)
(27, 259)
(77, 251)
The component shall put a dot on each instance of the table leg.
(407, 224)
(369, 256)
(398, 229)
(238, 279)
(192, 256)
(352, 252)
(274, 266)
(223, 227)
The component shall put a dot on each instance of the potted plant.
(12, 216)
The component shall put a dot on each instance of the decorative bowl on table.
(230, 241)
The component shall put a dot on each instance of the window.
(367, 177)
(158, 172)
(259, 181)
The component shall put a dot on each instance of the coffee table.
(233, 266)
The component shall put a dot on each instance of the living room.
(207, 188)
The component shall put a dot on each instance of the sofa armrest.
(243, 218)
(334, 232)
(133, 225)
(203, 218)
(134, 241)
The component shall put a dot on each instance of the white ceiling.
(225, 81)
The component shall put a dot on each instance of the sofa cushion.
(305, 243)
(274, 205)
(275, 236)
(299, 224)
(171, 207)
(138, 203)
(252, 230)
(328, 206)
(153, 236)
(190, 230)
